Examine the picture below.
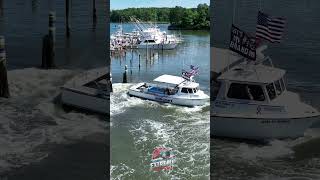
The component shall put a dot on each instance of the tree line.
(178, 17)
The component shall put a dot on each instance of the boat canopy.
(169, 79)
(256, 74)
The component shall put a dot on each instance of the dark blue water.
(299, 54)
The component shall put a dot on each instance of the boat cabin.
(170, 85)
(254, 83)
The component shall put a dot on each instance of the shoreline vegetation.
(178, 18)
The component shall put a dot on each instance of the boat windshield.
(278, 87)
(246, 91)
(283, 84)
(189, 90)
(271, 91)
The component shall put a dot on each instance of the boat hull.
(168, 99)
(82, 100)
(260, 129)
(157, 46)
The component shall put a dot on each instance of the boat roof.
(169, 79)
(253, 74)
(175, 80)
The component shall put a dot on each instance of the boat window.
(278, 87)
(271, 91)
(195, 90)
(152, 41)
(246, 91)
(187, 90)
(184, 90)
(238, 91)
(283, 86)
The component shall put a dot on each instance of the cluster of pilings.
(48, 41)
(48, 46)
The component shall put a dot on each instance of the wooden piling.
(139, 62)
(124, 79)
(48, 44)
(94, 10)
(67, 19)
(52, 27)
(4, 85)
(1, 8)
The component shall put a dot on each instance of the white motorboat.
(89, 91)
(156, 44)
(177, 90)
(250, 100)
(153, 38)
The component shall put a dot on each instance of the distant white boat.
(171, 89)
(156, 44)
(251, 101)
(89, 91)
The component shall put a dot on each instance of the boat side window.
(195, 90)
(184, 90)
(271, 91)
(278, 87)
(255, 92)
(187, 90)
(238, 91)
(246, 91)
(283, 85)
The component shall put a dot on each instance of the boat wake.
(31, 121)
(267, 159)
(185, 130)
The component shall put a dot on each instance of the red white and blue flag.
(270, 28)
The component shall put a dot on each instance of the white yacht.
(172, 89)
(156, 43)
(89, 91)
(250, 100)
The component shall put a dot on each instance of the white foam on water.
(183, 134)
(120, 171)
(30, 120)
(274, 149)
(120, 100)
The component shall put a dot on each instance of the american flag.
(270, 28)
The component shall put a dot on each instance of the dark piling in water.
(94, 10)
(1, 8)
(67, 19)
(4, 85)
(125, 80)
(48, 44)
(139, 62)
